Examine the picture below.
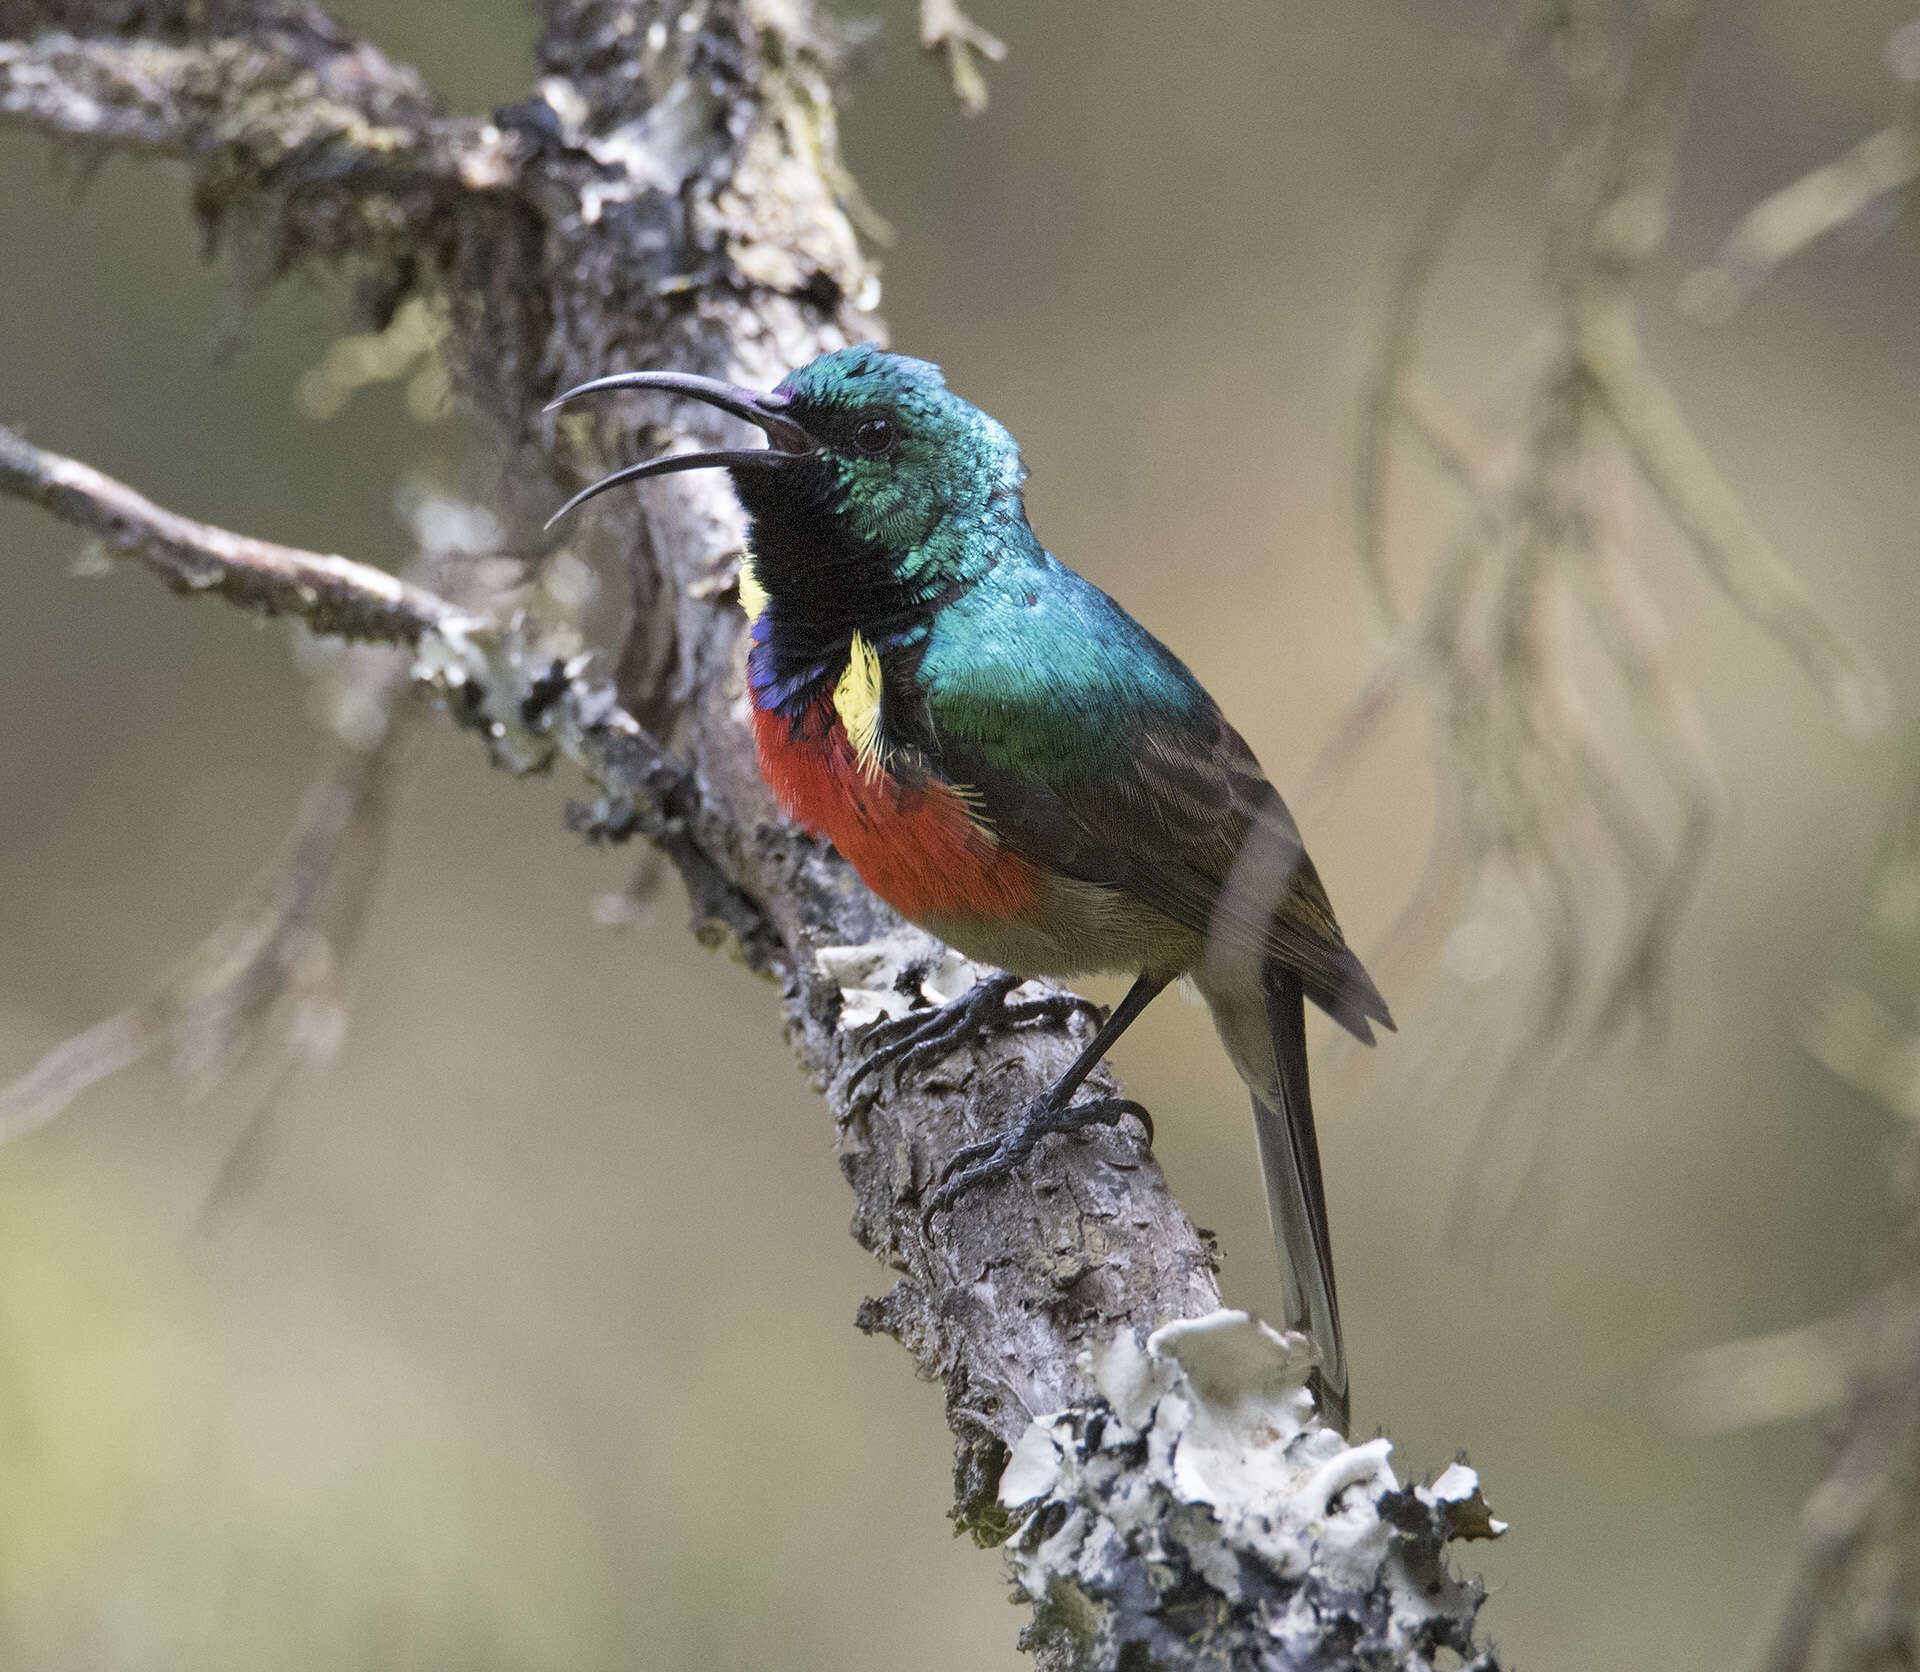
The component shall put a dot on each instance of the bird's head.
(875, 476)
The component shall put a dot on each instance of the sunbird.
(1014, 763)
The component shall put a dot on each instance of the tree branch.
(679, 205)
(331, 594)
(302, 141)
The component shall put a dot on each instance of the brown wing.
(1184, 820)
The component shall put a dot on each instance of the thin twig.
(1781, 226)
(494, 678)
(204, 1010)
(1457, 163)
(1728, 542)
(331, 594)
(947, 30)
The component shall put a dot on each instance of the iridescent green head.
(879, 486)
(897, 455)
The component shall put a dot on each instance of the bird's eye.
(875, 435)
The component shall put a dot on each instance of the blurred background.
(524, 1335)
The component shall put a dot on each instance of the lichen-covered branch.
(1107, 1541)
(303, 141)
(493, 677)
(676, 199)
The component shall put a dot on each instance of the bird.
(1012, 762)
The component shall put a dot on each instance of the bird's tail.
(1296, 1197)
(1267, 1040)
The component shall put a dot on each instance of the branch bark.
(331, 594)
(672, 196)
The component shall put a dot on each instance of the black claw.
(917, 1041)
(1139, 1113)
(993, 1158)
(905, 1035)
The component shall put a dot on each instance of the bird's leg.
(1053, 1111)
(915, 1041)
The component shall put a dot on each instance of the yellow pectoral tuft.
(753, 596)
(975, 804)
(856, 699)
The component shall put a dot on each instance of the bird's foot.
(920, 1039)
(994, 1158)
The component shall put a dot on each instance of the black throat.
(822, 584)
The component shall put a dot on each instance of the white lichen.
(885, 978)
(1202, 1459)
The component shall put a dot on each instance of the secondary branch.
(331, 594)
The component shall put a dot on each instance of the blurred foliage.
(1854, 1603)
(169, 1507)
(99, 1396)
(1579, 789)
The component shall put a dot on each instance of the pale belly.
(1075, 928)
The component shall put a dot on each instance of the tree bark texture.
(669, 194)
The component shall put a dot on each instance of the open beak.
(787, 440)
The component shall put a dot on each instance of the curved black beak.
(787, 440)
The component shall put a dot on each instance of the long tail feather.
(1296, 1197)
